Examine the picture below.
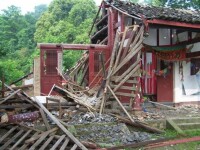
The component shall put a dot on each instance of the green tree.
(10, 70)
(17, 41)
(66, 21)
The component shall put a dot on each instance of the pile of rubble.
(52, 122)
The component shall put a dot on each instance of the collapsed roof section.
(152, 12)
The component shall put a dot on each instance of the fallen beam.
(60, 125)
(173, 142)
(135, 145)
(25, 117)
(139, 124)
(11, 95)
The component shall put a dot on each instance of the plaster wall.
(187, 90)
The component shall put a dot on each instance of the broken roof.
(152, 12)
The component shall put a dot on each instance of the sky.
(28, 5)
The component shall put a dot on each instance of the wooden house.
(137, 51)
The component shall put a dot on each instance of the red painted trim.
(172, 142)
(174, 23)
(91, 66)
(122, 22)
(52, 46)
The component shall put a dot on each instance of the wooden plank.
(84, 73)
(45, 119)
(120, 104)
(128, 70)
(113, 78)
(138, 124)
(11, 95)
(138, 37)
(61, 126)
(24, 147)
(8, 133)
(47, 143)
(133, 50)
(125, 94)
(127, 58)
(42, 138)
(32, 139)
(126, 78)
(132, 81)
(20, 140)
(74, 147)
(64, 144)
(131, 88)
(5, 146)
(120, 48)
(29, 128)
(58, 142)
(175, 126)
(135, 27)
(116, 42)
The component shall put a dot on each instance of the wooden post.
(3, 87)
(121, 104)
(109, 71)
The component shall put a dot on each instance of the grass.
(171, 134)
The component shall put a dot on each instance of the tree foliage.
(17, 41)
(66, 21)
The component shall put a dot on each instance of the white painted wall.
(190, 82)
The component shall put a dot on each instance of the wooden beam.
(125, 94)
(128, 70)
(121, 47)
(55, 46)
(46, 143)
(11, 95)
(173, 23)
(133, 33)
(124, 87)
(20, 140)
(175, 126)
(127, 58)
(5, 146)
(58, 142)
(126, 78)
(120, 104)
(8, 133)
(99, 32)
(193, 54)
(61, 126)
(45, 119)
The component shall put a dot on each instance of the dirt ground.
(155, 112)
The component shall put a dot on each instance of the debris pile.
(104, 129)
(44, 126)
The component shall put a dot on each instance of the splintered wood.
(121, 72)
(124, 68)
(36, 140)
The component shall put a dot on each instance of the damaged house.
(137, 51)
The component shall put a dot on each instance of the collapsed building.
(136, 49)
